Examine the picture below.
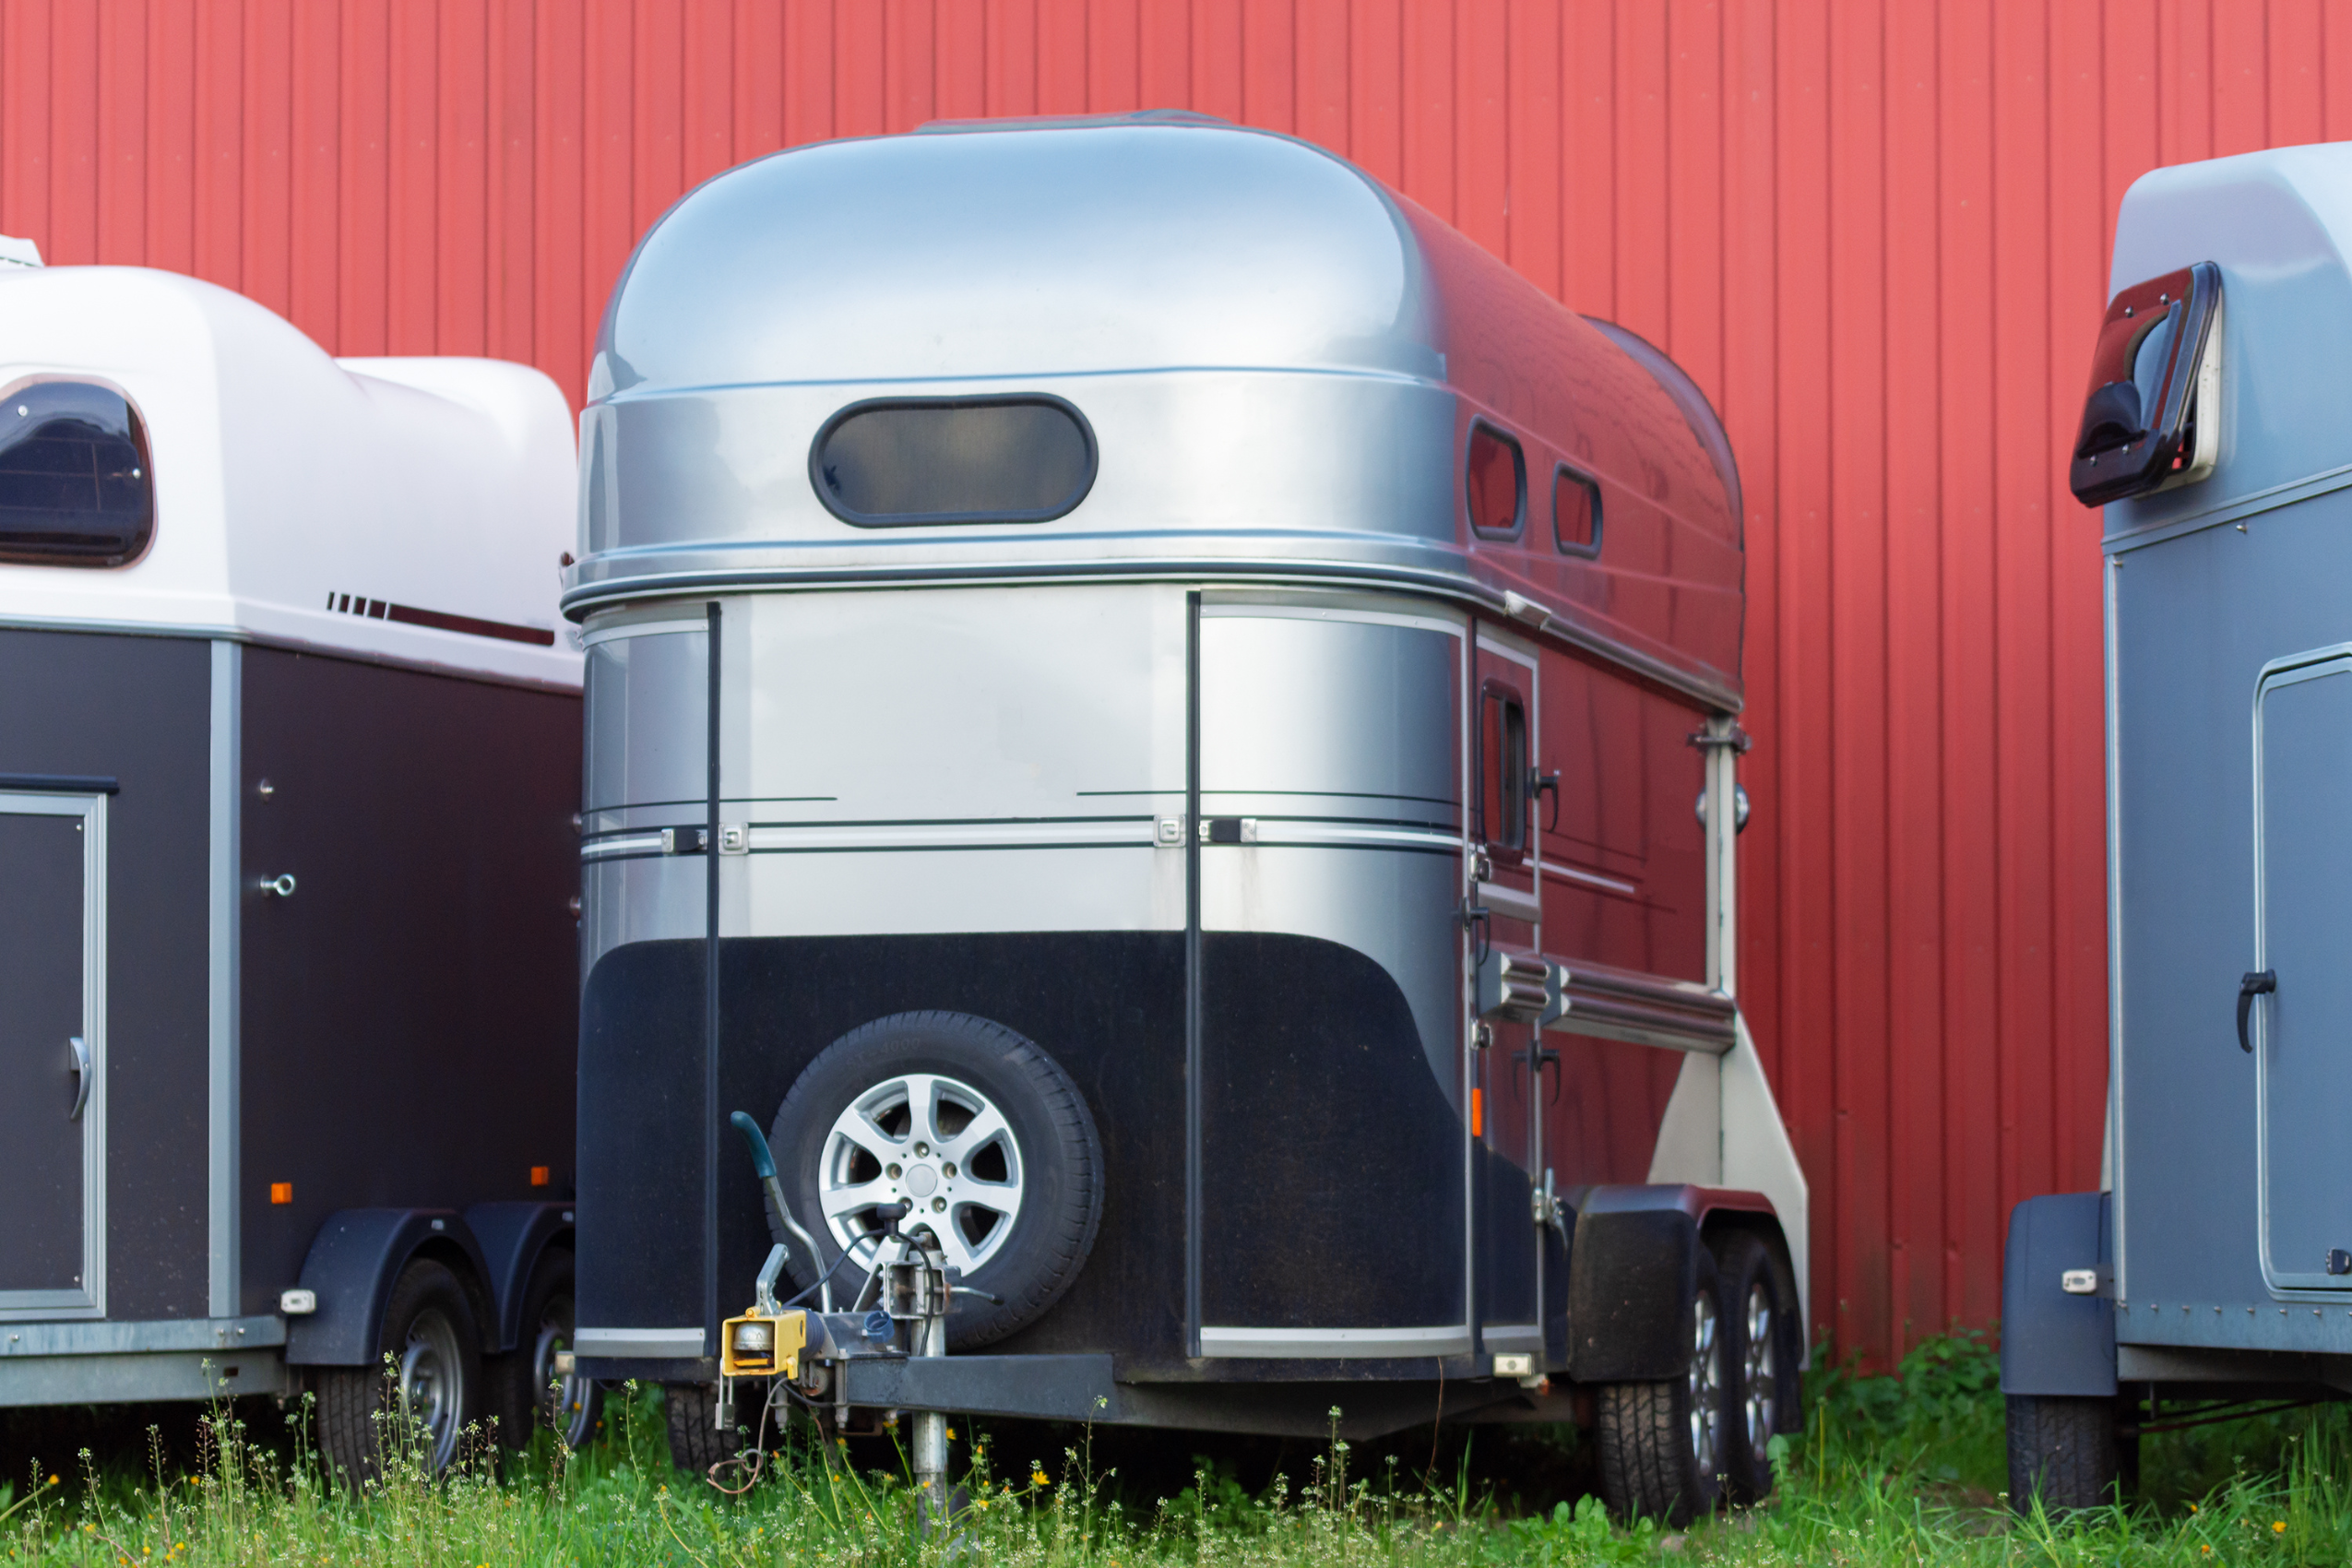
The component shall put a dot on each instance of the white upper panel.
(2279, 225)
(289, 483)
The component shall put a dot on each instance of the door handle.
(2262, 982)
(81, 1076)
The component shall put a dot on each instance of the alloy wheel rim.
(431, 1388)
(1762, 1382)
(561, 1398)
(1706, 1387)
(936, 1143)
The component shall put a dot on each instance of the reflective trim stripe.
(1326, 1343)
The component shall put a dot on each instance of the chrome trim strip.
(954, 835)
(221, 1259)
(580, 600)
(1590, 879)
(1314, 835)
(1511, 1337)
(122, 1338)
(653, 1344)
(1332, 1344)
(621, 844)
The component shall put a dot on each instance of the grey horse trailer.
(2216, 1266)
(289, 727)
(1163, 727)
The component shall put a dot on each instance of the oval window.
(76, 487)
(939, 460)
(1498, 482)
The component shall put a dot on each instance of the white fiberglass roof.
(408, 510)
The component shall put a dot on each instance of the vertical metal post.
(930, 1426)
(222, 1264)
(711, 1120)
(1725, 742)
(1193, 973)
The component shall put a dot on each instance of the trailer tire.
(2062, 1449)
(525, 1391)
(695, 1444)
(1051, 1131)
(1759, 1293)
(429, 1351)
(1663, 1444)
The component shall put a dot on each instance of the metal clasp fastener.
(282, 884)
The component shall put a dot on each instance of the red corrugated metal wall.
(1874, 230)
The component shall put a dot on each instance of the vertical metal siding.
(1874, 230)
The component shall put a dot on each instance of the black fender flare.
(513, 1238)
(1632, 1262)
(2055, 1342)
(353, 1261)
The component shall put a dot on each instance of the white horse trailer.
(289, 726)
(1168, 725)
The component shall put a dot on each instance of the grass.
(1903, 1469)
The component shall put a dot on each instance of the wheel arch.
(1632, 1263)
(352, 1264)
(514, 1237)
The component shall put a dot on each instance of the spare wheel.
(977, 1128)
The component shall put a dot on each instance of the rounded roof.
(1253, 249)
(408, 510)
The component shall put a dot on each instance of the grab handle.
(2262, 982)
(82, 1076)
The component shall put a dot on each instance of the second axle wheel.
(971, 1124)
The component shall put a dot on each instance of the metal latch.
(1168, 831)
(1229, 830)
(2080, 1281)
(681, 841)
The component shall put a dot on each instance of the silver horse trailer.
(1168, 725)
(287, 725)
(2216, 1265)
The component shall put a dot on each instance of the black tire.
(1766, 1392)
(526, 1392)
(696, 1443)
(2064, 1450)
(1658, 1460)
(435, 1351)
(1052, 1228)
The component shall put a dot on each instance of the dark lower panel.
(409, 1014)
(1331, 1157)
(136, 709)
(1108, 1007)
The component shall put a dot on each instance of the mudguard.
(353, 1261)
(512, 1236)
(1632, 1263)
(2054, 1342)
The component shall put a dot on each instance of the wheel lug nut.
(895, 1173)
(939, 1206)
(921, 1149)
(948, 1170)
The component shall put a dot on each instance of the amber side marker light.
(1477, 1113)
(282, 1192)
(538, 1175)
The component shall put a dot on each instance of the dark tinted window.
(1498, 482)
(954, 460)
(1502, 773)
(1576, 513)
(74, 485)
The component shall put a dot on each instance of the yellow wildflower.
(2279, 1525)
(1037, 1477)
